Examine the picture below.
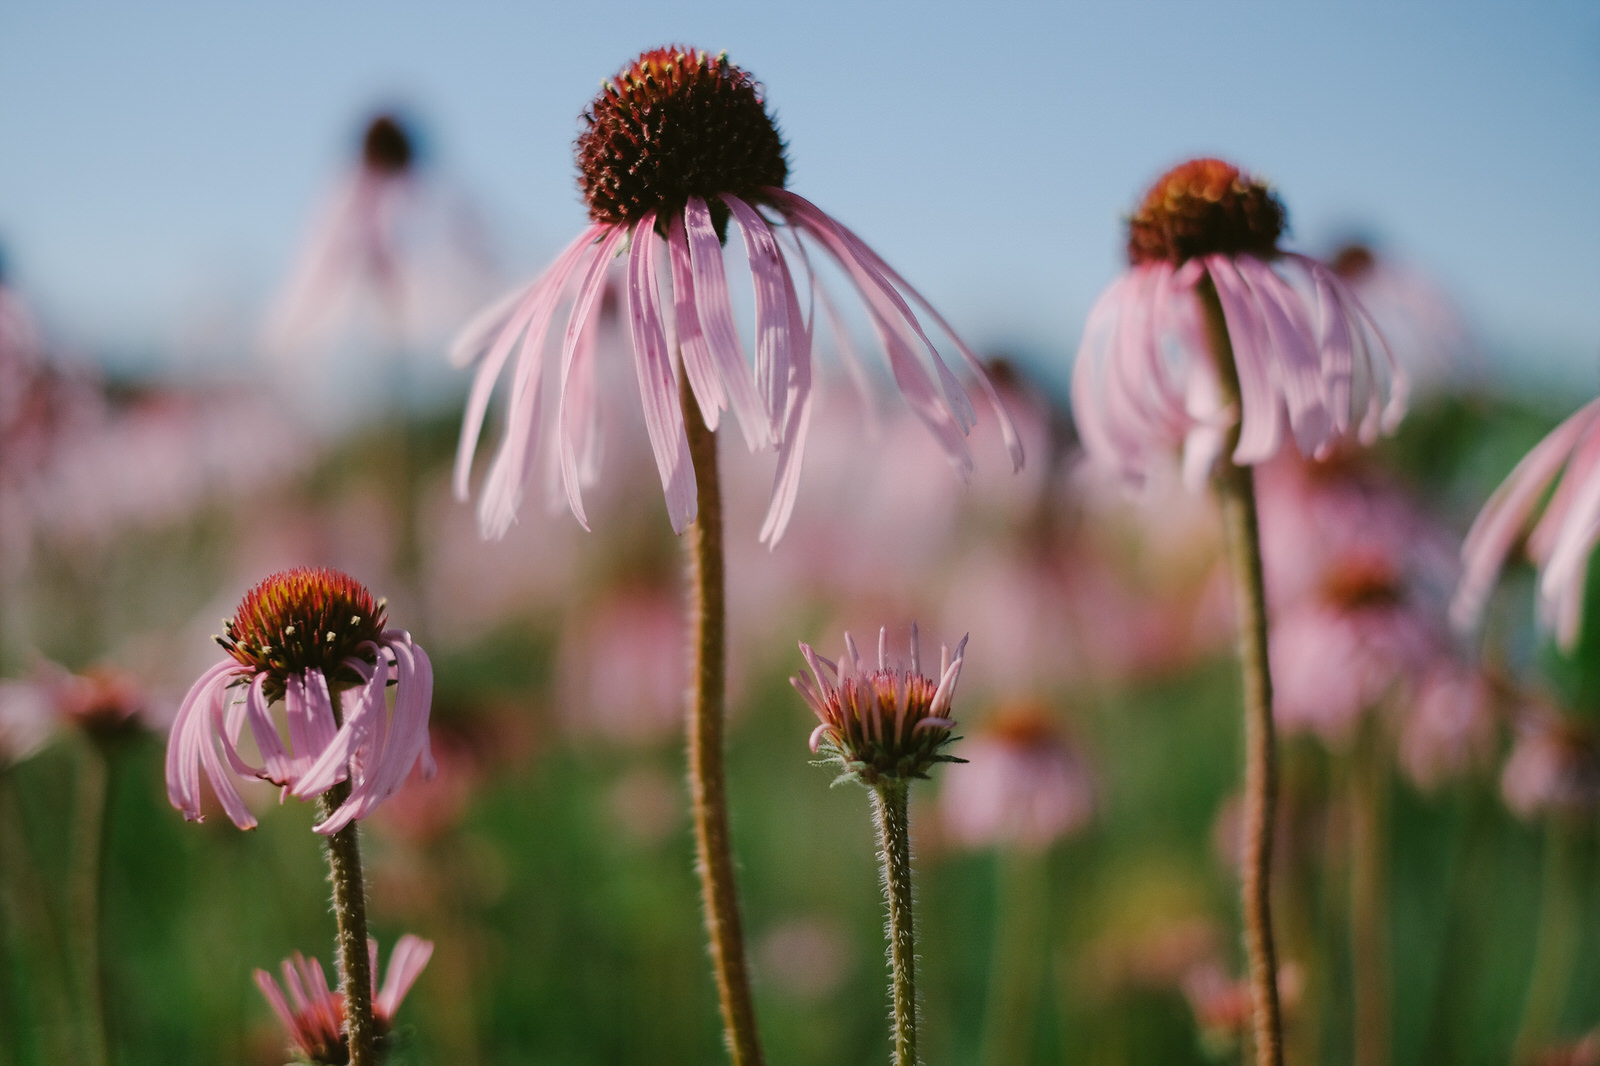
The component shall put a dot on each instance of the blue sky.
(160, 159)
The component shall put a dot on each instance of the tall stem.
(1236, 489)
(708, 789)
(350, 909)
(894, 851)
(1369, 941)
(350, 912)
(85, 901)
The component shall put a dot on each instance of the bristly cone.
(302, 619)
(1206, 207)
(676, 123)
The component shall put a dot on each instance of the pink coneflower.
(1307, 357)
(1341, 650)
(1560, 542)
(391, 242)
(883, 724)
(313, 1014)
(317, 641)
(1024, 785)
(676, 154)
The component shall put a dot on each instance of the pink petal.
(698, 363)
(545, 290)
(575, 411)
(712, 301)
(658, 385)
(410, 955)
(774, 331)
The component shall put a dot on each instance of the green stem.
(1369, 940)
(85, 901)
(1236, 489)
(25, 907)
(708, 789)
(350, 910)
(1014, 972)
(1560, 922)
(889, 812)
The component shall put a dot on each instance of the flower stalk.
(350, 910)
(707, 777)
(87, 844)
(1235, 485)
(889, 813)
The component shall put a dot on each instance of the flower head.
(1307, 359)
(677, 152)
(313, 1014)
(1562, 539)
(883, 724)
(318, 642)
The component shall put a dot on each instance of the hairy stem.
(85, 901)
(894, 851)
(350, 909)
(708, 790)
(1236, 490)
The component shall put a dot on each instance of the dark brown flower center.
(1353, 261)
(676, 124)
(1205, 207)
(1363, 582)
(302, 619)
(387, 148)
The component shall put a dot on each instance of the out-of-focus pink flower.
(1308, 359)
(1339, 652)
(1560, 542)
(393, 243)
(1024, 784)
(1554, 765)
(881, 724)
(622, 669)
(806, 957)
(310, 638)
(312, 1014)
(1421, 323)
(1449, 725)
(677, 150)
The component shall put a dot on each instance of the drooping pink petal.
(575, 409)
(658, 385)
(1008, 430)
(191, 735)
(714, 306)
(797, 423)
(333, 764)
(775, 334)
(1502, 520)
(545, 290)
(694, 349)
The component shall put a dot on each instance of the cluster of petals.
(1310, 364)
(888, 722)
(771, 398)
(313, 1014)
(1562, 539)
(373, 748)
